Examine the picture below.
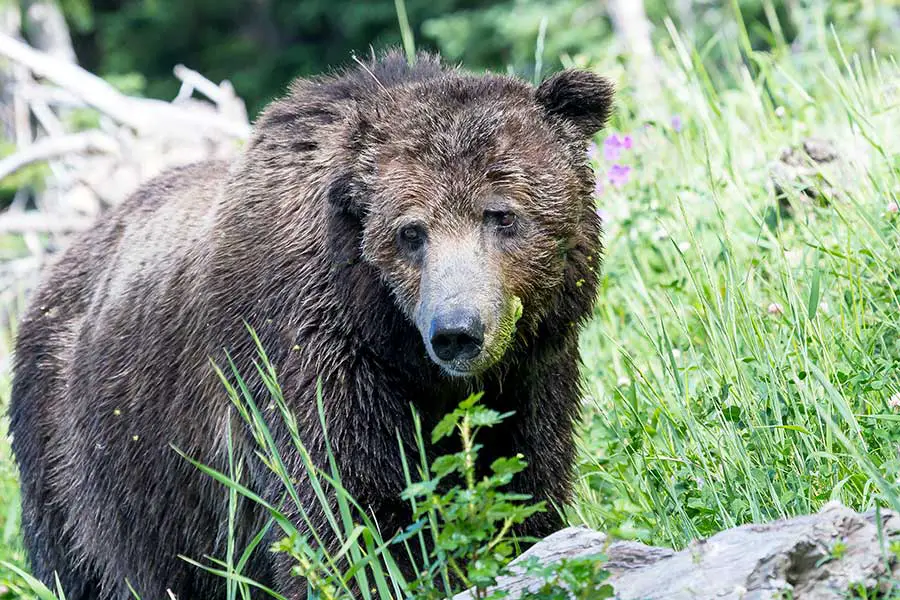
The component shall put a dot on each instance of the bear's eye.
(503, 220)
(412, 236)
(507, 219)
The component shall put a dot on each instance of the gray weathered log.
(816, 557)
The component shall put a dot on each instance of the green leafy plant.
(473, 518)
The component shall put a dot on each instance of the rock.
(816, 171)
(816, 557)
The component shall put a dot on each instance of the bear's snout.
(457, 334)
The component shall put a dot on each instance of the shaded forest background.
(259, 45)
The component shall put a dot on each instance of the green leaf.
(509, 466)
(446, 426)
(470, 401)
(813, 303)
(420, 489)
(485, 417)
(448, 463)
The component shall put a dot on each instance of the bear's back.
(110, 309)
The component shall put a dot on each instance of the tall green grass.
(741, 361)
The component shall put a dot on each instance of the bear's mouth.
(461, 368)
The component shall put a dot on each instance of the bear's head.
(470, 191)
(466, 195)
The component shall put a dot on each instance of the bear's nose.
(457, 334)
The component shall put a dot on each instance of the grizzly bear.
(402, 235)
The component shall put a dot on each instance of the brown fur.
(299, 238)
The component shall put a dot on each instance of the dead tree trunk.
(46, 29)
(633, 29)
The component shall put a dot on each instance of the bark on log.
(795, 558)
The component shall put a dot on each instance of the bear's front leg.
(547, 401)
(365, 430)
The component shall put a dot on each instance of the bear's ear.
(345, 196)
(346, 192)
(580, 97)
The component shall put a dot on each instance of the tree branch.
(146, 116)
(34, 222)
(51, 147)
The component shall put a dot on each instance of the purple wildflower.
(614, 144)
(592, 151)
(676, 123)
(612, 148)
(604, 216)
(598, 187)
(618, 175)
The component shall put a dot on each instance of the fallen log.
(832, 555)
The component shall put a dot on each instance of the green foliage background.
(261, 44)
